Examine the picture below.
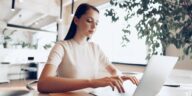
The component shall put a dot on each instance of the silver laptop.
(156, 73)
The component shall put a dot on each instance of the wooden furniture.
(71, 94)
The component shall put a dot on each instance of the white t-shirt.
(78, 61)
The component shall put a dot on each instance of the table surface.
(181, 77)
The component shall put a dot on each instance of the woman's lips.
(91, 31)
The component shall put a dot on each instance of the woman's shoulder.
(63, 43)
(94, 45)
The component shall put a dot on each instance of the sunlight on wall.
(109, 38)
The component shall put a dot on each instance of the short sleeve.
(103, 59)
(56, 54)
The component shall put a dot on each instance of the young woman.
(74, 63)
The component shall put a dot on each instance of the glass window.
(109, 37)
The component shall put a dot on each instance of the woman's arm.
(49, 83)
(112, 70)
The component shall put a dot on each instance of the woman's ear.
(76, 20)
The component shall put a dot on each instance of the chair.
(29, 85)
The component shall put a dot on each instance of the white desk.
(182, 77)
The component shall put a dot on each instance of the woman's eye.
(92, 21)
(89, 20)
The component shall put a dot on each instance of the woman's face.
(87, 23)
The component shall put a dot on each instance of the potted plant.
(7, 37)
(6, 40)
(47, 46)
(169, 22)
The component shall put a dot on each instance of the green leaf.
(172, 18)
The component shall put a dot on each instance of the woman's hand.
(133, 79)
(113, 82)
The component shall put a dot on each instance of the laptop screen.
(155, 75)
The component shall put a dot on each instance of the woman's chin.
(90, 35)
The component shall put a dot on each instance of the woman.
(74, 63)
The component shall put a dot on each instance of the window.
(46, 38)
(109, 37)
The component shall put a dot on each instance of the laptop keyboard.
(124, 94)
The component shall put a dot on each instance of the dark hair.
(81, 10)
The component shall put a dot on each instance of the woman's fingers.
(115, 82)
(120, 79)
(118, 85)
(121, 86)
(112, 86)
(136, 80)
(133, 79)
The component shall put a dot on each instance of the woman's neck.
(80, 39)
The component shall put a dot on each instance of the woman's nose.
(93, 25)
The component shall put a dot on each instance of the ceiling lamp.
(13, 5)
(72, 7)
(61, 9)
(21, 1)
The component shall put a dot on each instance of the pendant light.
(13, 5)
(72, 8)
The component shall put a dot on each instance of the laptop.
(156, 73)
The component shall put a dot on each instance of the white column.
(60, 30)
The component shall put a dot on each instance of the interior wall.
(22, 36)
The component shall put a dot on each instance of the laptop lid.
(155, 75)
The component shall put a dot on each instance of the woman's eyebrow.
(93, 19)
(90, 18)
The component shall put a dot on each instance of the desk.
(35, 93)
(182, 77)
(164, 92)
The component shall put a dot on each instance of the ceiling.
(30, 13)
